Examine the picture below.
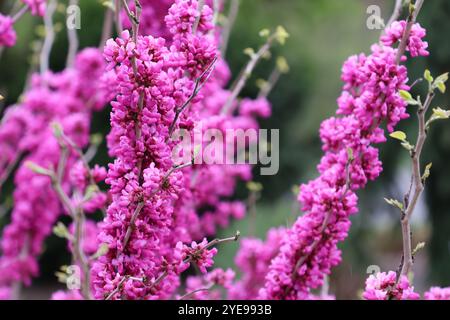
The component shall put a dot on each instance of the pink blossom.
(436, 293)
(416, 46)
(37, 7)
(384, 286)
(199, 255)
(7, 33)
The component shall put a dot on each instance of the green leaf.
(399, 135)
(407, 146)
(405, 95)
(61, 231)
(96, 139)
(442, 78)
(109, 4)
(441, 86)
(57, 129)
(90, 191)
(439, 113)
(249, 52)
(281, 35)
(38, 169)
(394, 203)
(101, 251)
(350, 155)
(418, 247)
(427, 171)
(282, 64)
(254, 186)
(264, 33)
(427, 76)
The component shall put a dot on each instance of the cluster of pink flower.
(7, 32)
(370, 97)
(384, 286)
(68, 98)
(253, 260)
(155, 77)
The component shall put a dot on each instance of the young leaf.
(254, 186)
(37, 168)
(264, 33)
(427, 171)
(418, 247)
(281, 35)
(61, 231)
(282, 64)
(441, 86)
(394, 203)
(427, 76)
(399, 135)
(249, 52)
(439, 113)
(405, 144)
(442, 78)
(405, 95)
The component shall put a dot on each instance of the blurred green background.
(323, 33)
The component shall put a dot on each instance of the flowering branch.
(190, 257)
(141, 204)
(197, 87)
(327, 216)
(165, 273)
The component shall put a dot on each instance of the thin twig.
(77, 216)
(118, 21)
(200, 5)
(49, 36)
(232, 15)
(415, 192)
(118, 288)
(412, 17)
(20, 13)
(107, 27)
(246, 73)
(395, 14)
(271, 82)
(187, 295)
(9, 169)
(189, 259)
(199, 83)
